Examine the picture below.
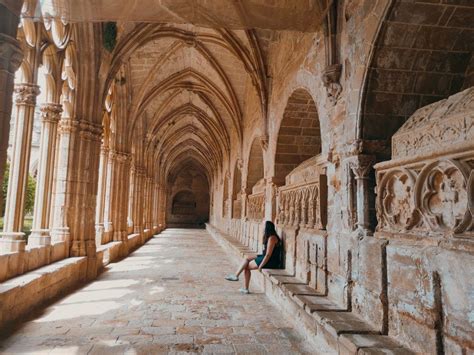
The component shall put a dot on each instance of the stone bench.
(324, 323)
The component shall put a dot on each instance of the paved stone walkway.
(167, 297)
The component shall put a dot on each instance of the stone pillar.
(50, 114)
(64, 175)
(109, 185)
(131, 196)
(13, 238)
(137, 215)
(156, 202)
(149, 204)
(99, 215)
(119, 195)
(270, 200)
(10, 60)
(360, 166)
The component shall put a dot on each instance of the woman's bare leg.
(244, 265)
(251, 266)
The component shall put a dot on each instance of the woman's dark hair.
(269, 231)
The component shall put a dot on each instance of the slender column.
(50, 114)
(138, 201)
(131, 203)
(109, 182)
(13, 238)
(10, 60)
(360, 166)
(119, 195)
(149, 203)
(156, 192)
(99, 215)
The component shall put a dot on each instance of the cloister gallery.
(349, 123)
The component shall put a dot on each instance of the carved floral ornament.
(439, 198)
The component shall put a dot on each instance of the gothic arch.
(420, 56)
(299, 136)
(255, 165)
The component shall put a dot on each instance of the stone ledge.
(323, 322)
(18, 263)
(21, 294)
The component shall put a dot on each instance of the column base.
(60, 234)
(12, 242)
(39, 237)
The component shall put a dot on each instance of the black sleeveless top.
(276, 259)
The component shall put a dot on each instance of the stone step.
(341, 329)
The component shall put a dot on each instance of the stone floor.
(167, 297)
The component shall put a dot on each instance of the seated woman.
(270, 259)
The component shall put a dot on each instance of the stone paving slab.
(168, 297)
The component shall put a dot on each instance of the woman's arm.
(272, 242)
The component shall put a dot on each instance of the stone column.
(149, 204)
(131, 196)
(10, 60)
(109, 182)
(50, 114)
(360, 166)
(119, 195)
(65, 173)
(138, 201)
(99, 215)
(13, 238)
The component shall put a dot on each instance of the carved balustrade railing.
(256, 206)
(428, 197)
(303, 205)
(428, 187)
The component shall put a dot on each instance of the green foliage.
(30, 192)
(110, 36)
(4, 188)
(30, 195)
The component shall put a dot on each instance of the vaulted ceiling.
(186, 89)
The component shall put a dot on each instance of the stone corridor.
(169, 296)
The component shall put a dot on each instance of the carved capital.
(26, 94)
(331, 77)
(11, 54)
(361, 165)
(90, 131)
(51, 113)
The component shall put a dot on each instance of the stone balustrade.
(256, 206)
(303, 203)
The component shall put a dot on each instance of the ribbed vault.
(183, 90)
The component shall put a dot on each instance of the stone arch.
(421, 55)
(299, 136)
(255, 166)
(236, 191)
